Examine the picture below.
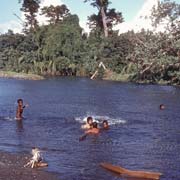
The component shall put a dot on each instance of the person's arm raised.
(27, 105)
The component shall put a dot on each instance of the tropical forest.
(63, 48)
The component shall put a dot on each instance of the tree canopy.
(62, 48)
(55, 13)
(106, 17)
(30, 9)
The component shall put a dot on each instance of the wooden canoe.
(41, 164)
(129, 173)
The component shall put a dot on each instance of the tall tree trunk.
(104, 22)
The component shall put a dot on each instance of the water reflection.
(19, 125)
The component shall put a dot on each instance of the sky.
(130, 9)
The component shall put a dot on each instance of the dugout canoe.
(130, 173)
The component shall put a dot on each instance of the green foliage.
(55, 14)
(168, 12)
(30, 8)
(62, 48)
(106, 17)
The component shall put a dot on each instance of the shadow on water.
(140, 135)
(19, 124)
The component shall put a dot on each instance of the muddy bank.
(12, 168)
(7, 74)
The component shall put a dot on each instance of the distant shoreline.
(112, 77)
(9, 74)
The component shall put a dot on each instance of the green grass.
(117, 77)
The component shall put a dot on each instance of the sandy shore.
(8, 74)
(12, 168)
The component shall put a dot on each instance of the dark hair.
(89, 118)
(19, 100)
(161, 106)
(105, 121)
(95, 124)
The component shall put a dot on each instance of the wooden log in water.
(130, 173)
(92, 77)
(101, 64)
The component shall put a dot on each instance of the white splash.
(99, 119)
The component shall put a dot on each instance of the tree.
(30, 9)
(169, 13)
(106, 18)
(55, 13)
(95, 21)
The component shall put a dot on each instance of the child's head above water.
(89, 120)
(95, 125)
(161, 106)
(105, 124)
(20, 101)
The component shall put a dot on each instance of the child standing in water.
(20, 108)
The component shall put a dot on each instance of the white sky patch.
(11, 25)
(85, 26)
(141, 20)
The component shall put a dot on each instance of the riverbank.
(109, 76)
(12, 168)
(9, 74)
(112, 76)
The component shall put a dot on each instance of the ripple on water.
(140, 136)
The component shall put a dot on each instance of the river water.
(141, 137)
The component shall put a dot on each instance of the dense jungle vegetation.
(62, 48)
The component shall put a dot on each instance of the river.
(140, 136)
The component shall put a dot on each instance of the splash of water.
(99, 119)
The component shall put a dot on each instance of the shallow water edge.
(11, 168)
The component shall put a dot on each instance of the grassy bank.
(9, 74)
(112, 76)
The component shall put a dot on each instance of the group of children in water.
(90, 127)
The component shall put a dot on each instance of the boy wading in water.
(20, 108)
(94, 130)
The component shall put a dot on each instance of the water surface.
(141, 136)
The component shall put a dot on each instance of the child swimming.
(94, 129)
(88, 124)
(105, 125)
